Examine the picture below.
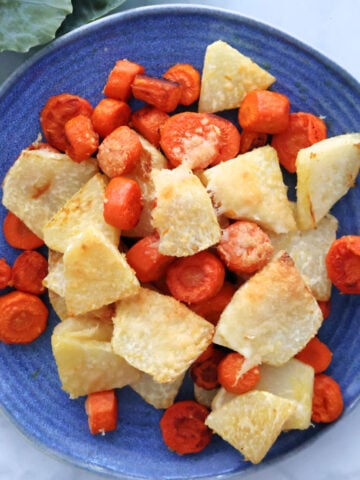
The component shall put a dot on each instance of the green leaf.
(86, 11)
(26, 23)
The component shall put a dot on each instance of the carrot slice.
(190, 80)
(328, 403)
(264, 111)
(102, 411)
(212, 308)
(18, 235)
(343, 264)
(82, 139)
(204, 370)
(190, 138)
(250, 140)
(23, 317)
(28, 272)
(316, 354)
(5, 273)
(199, 139)
(56, 112)
(228, 374)
(122, 204)
(183, 427)
(304, 130)
(119, 152)
(144, 257)
(195, 278)
(109, 114)
(147, 121)
(244, 247)
(159, 92)
(118, 84)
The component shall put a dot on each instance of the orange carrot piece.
(316, 354)
(122, 204)
(204, 370)
(327, 403)
(190, 138)
(212, 309)
(23, 317)
(56, 112)
(118, 84)
(102, 411)
(144, 257)
(147, 121)
(159, 92)
(195, 278)
(119, 152)
(228, 374)
(5, 273)
(325, 307)
(304, 130)
(230, 138)
(183, 427)
(28, 272)
(190, 80)
(18, 235)
(109, 114)
(343, 264)
(244, 247)
(250, 140)
(82, 139)
(264, 111)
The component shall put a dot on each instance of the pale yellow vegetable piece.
(151, 158)
(159, 335)
(104, 314)
(228, 76)
(159, 395)
(84, 208)
(308, 249)
(55, 279)
(85, 360)
(251, 422)
(40, 182)
(295, 381)
(184, 215)
(270, 317)
(325, 173)
(222, 396)
(251, 187)
(96, 273)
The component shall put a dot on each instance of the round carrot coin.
(195, 278)
(244, 247)
(190, 138)
(23, 317)
(28, 272)
(183, 427)
(56, 112)
(18, 235)
(343, 264)
(328, 403)
(229, 374)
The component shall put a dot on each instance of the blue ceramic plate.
(79, 62)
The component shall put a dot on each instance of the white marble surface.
(331, 26)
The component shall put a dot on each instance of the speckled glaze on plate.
(30, 391)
